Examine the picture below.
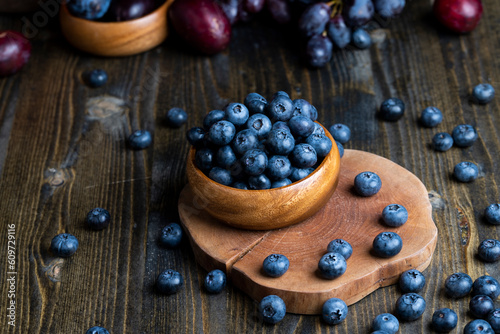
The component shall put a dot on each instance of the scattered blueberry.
(281, 183)
(64, 245)
(483, 93)
(494, 320)
(215, 281)
(458, 285)
(259, 182)
(464, 135)
(334, 311)
(204, 159)
(97, 330)
(195, 136)
(492, 214)
(411, 281)
(332, 265)
(169, 282)
(478, 326)
(171, 235)
(260, 123)
(98, 219)
(304, 155)
(95, 78)
(340, 246)
(410, 306)
(367, 184)
(321, 144)
(392, 109)
(480, 306)
(340, 132)
(385, 322)
(255, 103)
(465, 171)
(301, 126)
(442, 141)
(212, 117)
(221, 175)
(300, 173)
(444, 320)
(272, 308)
(387, 244)
(275, 265)
(431, 117)
(361, 38)
(176, 117)
(280, 142)
(486, 285)
(88, 9)
(395, 215)
(237, 113)
(280, 108)
(489, 250)
(340, 148)
(221, 132)
(278, 167)
(140, 139)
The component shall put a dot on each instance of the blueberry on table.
(300, 173)
(442, 141)
(301, 126)
(483, 93)
(245, 140)
(221, 132)
(367, 184)
(95, 78)
(387, 244)
(340, 246)
(280, 142)
(431, 117)
(169, 282)
(259, 182)
(88, 9)
(410, 306)
(176, 117)
(357, 12)
(98, 219)
(195, 136)
(321, 144)
(260, 123)
(361, 39)
(302, 108)
(411, 281)
(281, 183)
(215, 281)
(465, 171)
(486, 285)
(332, 265)
(171, 235)
(338, 32)
(489, 250)
(204, 159)
(395, 215)
(303, 156)
(340, 132)
(480, 306)
(464, 135)
(458, 285)
(385, 322)
(392, 109)
(493, 319)
(212, 117)
(280, 108)
(97, 330)
(318, 51)
(64, 245)
(221, 175)
(255, 103)
(478, 326)
(237, 113)
(275, 265)
(340, 148)
(272, 308)
(492, 214)
(334, 311)
(278, 167)
(444, 320)
(140, 139)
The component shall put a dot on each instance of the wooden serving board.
(346, 215)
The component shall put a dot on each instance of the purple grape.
(389, 9)
(125, 10)
(243, 14)
(357, 12)
(280, 10)
(318, 51)
(230, 8)
(253, 6)
(314, 19)
(339, 33)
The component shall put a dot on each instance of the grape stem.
(336, 6)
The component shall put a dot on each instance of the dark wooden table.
(58, 160)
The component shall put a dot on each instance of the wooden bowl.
(265, 209)
(111, 39)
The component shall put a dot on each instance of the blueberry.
(272, 308)
(280, 142)
(171, 235)
(321, 144)
(301, 126)
(340, 148)
(334, 311)
(444, 320)
(225, 156)
(176, 117)
(411, 281)
(302, 108)
(442, 141)
(395, 215)
(275, 265)
(169, 282)
(204, 159)
(340, 132)
(278, 167)
(280, 183)
(254, 162)
(300, 173)
(97, 330)
(379, 332)
(480, 306)
(361, 38)
(240, 185)
(212, 117)
(431, 117)
(386, 323)
(489, 250)
(280, 93)
(464, 135)
(389, 9)
(221, 175)
(410, 306)
(64, 245)
(280, 125)
(387, 244)
(367, 184)
(338, 32)
(237, 113)
(195, 136)
(244, 141)
(332, 265)
(314, 113)
(140, 139)
(255, 103)
(458, 285)
(318, 129)
(215, 281)
(392, 109)
(494, 320)
(259, 182)
(483, 93)
(465, 171)
(303, 156)
(340, 246)
(280, 108)
(88, 9)
(95, 78)
(98, 219)
(492, 214)
(486, 285)
(260, 123)
(221, 132)
(478, 326)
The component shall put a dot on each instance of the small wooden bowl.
(112, 39)
(265, 209)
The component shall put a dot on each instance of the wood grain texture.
(109, 281)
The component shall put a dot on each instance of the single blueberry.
(395, 215)
(212, 117)
(98, 219)
(392, 109)
(97, 330)
(195, 136)
(140, 139)
(489, 250)
(259, 182)
(340, 246)
(225, 156)
(221, 132)
(280, 183)
(254, 162)
(464, 135)
(458, 285)
(303, 156)
(367, 184)
(280, 125)
(431, 117)
(272, 308)
(340, 132)
(480, 306)
(494, 320)
(64, 245)
(215, 281)
(169, 282)
(444, 320)
(334, 311)
(176, 117)
(171, 235)
(221, 175)
(240, 185)
(255, 103)
(244, 141)
(411, 281)
(280, 142)
(204, 159)
(95, 78)
(275, 265)
(280, 108)
(318, 129)
(321, 144)
(332, 265)
(410, 306)
(340, 148)
(314, 113)
(299, 173)
(387, 244)
(278, 167)
(486, 285)
(465, 171)
(361, 38)
(260, 123)
(492, 214)
(88, 9)
(302, 108)
(478, 326)
(442, 141)
(280, 93)
(483, 93)
(386, 323)
(237, 113)
(301, 126)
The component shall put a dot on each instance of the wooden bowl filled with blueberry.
(262, 165)
(114, 27)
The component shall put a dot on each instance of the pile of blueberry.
(260, 144)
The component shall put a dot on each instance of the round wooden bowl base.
(346, 215)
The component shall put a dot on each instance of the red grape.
(318, 51)
(15, 50)
(458, 15)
